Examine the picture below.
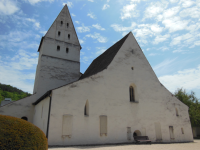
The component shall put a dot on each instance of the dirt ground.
(180, 146)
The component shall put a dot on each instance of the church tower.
(59, 55)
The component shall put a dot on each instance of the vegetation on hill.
(7, 91)
(192, 102)
(20, 134)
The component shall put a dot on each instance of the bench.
(139, 139)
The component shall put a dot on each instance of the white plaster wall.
(41, 116)
(50, 48)
(108, 94)
(20, 108)
(55, 73)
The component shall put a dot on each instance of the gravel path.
(180, 146)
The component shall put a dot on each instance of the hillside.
(7, 91)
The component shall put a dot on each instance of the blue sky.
(167, 31)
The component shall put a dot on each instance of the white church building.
(118, 96)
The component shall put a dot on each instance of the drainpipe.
(47, 132)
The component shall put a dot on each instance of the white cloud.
(97, 26)
(83, 29)
(97, 36)
(18, 39)
(100, 50)
(129, 11)
(153, 54)
(191, 12)
(187, 79)
(36, 23)
(73, 14)
(91, 15)
(77, 22)
(81, 41)
(186, 3)
(120, 28)
(187, 38)
(156, 28)
(161, 38)
(8, 7)
(32, 2)
(175, 24)
(180, 51)
(173, 1)
(69, 4)
(105, 6)
(171, 12)
(12, 71)
(91, 0)
(155, 8)
(165, 66)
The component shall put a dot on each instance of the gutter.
(47, 132)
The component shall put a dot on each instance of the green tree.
(192, 102)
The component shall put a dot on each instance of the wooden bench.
(143, 139)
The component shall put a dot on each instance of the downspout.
(47, 132)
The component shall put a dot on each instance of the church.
(119, 96)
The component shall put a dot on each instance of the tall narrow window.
(58, 33)
(103, 125)
(182, 130)
(68, 36)
(67, 50)
(131, 92)
(67, 24)
(58, 48)
(61, 22)
(177, 112)
(86, 109)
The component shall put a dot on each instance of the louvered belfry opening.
(131, 92)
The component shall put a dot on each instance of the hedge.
(19, 134)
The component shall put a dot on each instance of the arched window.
(131, 92)
(61, 22)
(67, 25)
(177, 112)
(67, 50)
(68, 36)
(86, 109)
(24, 118)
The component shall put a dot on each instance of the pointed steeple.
(63, 28)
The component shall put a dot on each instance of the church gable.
(63, 29)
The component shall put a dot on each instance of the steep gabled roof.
(102, 62)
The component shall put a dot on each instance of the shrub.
(18, 134)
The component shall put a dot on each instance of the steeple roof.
(64, 17)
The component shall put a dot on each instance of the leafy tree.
(192, 102)
(7, 91)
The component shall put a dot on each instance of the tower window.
(86, 109)
(177, 112)
(61, 22)
(58, 33)
(132, 68)
(24, 118)
(58, 48)
(67, 24)
(182, 130)
(67, 50)
(68, 36)
(131, 92)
